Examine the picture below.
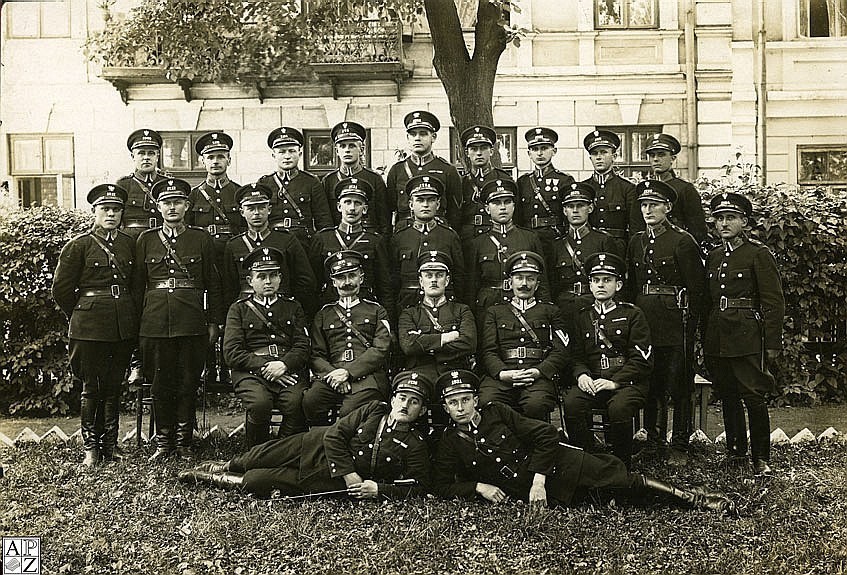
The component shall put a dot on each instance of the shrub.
(34, 373)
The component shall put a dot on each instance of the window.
(824, 166)
(506, 144)
(38, 19)
(611, 14)
(178, 157)
(42, 166)
(319, 155)
(632, 160)
(823, 18)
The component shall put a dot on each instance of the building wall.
(565, 74)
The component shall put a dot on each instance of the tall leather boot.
(165, 428)
(88, 429)
(693, 497)
(620, 436)
(184, 434)
(255, 434)
(111, 425)
(224, 479)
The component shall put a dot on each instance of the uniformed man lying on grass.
(374, 451)
(495, 452)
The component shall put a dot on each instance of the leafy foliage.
(34, 374)
(807, 232)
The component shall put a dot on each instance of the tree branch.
(446, 30)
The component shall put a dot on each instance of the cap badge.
(146, 132)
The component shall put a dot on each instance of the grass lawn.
(135, 517)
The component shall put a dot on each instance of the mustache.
(523, 289)
(347, 286)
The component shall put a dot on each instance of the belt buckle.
(534, 221)
(171, 283)
(152, 223)
(116, 290)
(521, 352)
(577, 288)
(507, 284)
(604, 362)
(286, 222)
(348, 355)
(213, 229)
(477, 220)
(273, 350)
(508, 472)
(645, 289)
(723, 303)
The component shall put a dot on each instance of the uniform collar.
(257, 236)
(108, 235)
(392, 425)
(265, 301)
(348, 302)
(602, 178)
(421, 160)
(733, 244)
(434, 304)
(580, 232)
(483, 171)
(523, 304)
(172, 232)
(287, 175)
(667, 176)
(474, 423)
(147, 179)
(502, 229)
(424, 226)
(605, 307)
(352, 170)
(217, 183)
(657, 230)
(543, 171)
(347, 229)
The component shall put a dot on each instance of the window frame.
(625, 164)
(835, 31)
(625, 17)
(40, 7)
(310, 134)
(457, 152)
(820, 148)
(24, 178)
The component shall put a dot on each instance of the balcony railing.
(360, 42)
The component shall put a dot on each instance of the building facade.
(767, 80)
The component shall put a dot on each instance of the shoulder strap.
(380, 428)
(537, 191)
(359, 335)
(202, 189)
(438, 327)
(577, 263)
(600, 333)
(525, 325)
(283, 192)
(173, 254)
(252, 307)
(110, 254)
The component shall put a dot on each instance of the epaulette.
(196, 228)
(244, 298)
(370, 301)
(756, 242)
(129, 177)
(149, 230)
(501, 170)
(310, 174)
(330, 304)
(626, 304)
(405, 226)
(79, 237)
(326, 229)
(123, 233)
(561, 173)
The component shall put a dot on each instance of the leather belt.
(269, 350)
(288, 223)
(114, 291)
(726, 303)
(173, 283)
(145, 223)
(537, 222)
(524, 352)
(505, 285)
(609, 362)
(614, 232)
(656, 289)
(579, 289)
(346, 356)
(216, 229)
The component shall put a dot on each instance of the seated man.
(267, 347)
(375, 451)
(350, 342)
(612, 358)
(523, 345)
(499, 454)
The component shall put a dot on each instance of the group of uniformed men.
(542, 286)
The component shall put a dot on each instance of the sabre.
(308, 495)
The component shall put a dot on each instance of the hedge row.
(806, 230)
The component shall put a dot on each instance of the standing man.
(350, 342)
(423, 234)
(539, 201)
(353, 199)
(266, 344)
(478, 142)
(668, 281)
(298, 203)
(215, 209)
(421, 132)
(140, 212)
(438, 334)
(569, 282)
(297, 277)
(743, 329)
(486, 256)
(612, 357)
(523, 345)
(183, 309)
(349, 140)
(92, 286)
(616, 206)
(687, 213)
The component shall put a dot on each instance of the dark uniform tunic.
(277, 333)
(474, 219)
(397, 204)
(408, 243)
(507, 449)
(610, 342)
(539, 204)
(375, 263)
(140, 211)
(745, 312)
(298, 279)
(93, 288)
(420, 339)
(485, 259)
(335, 345)
(397, 459)
(182, 296)
(374, 219)
(662, 262)
(506, 343)
(216, 210)
(568, 281)
(298, 204)
(687, 210)
(616, 208)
